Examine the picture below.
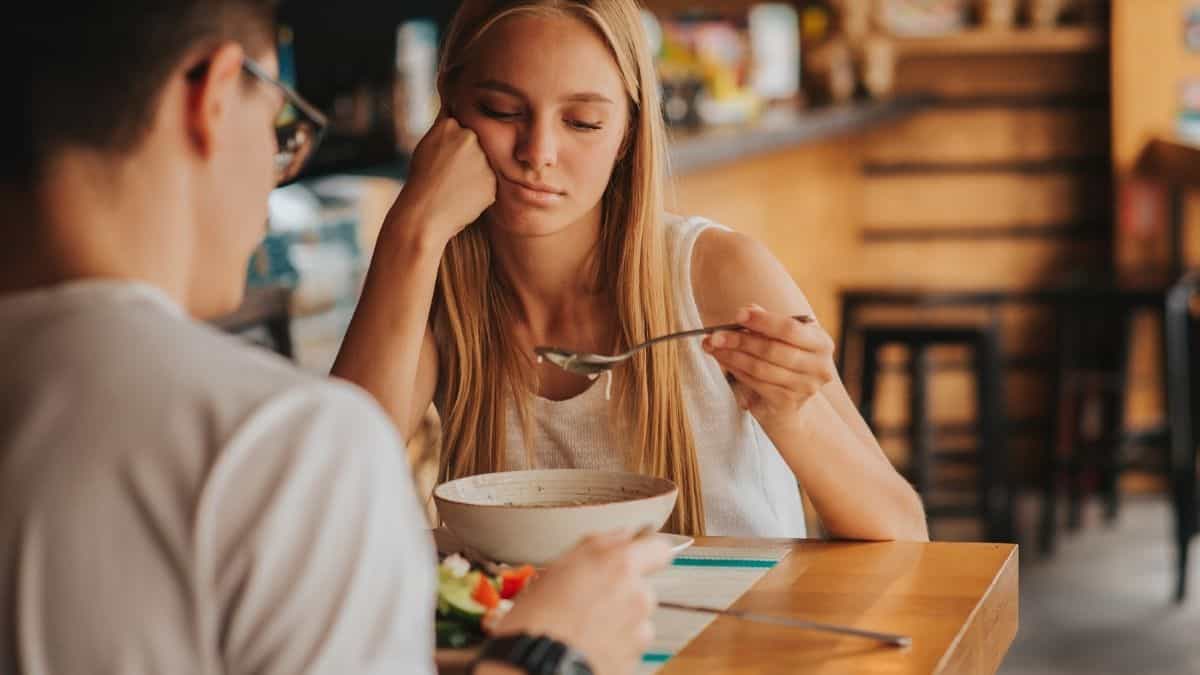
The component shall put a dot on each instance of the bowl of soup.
(536, 516)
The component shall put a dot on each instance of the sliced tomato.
(512, 582)
(485, 593)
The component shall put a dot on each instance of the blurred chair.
(1082, 434)
(1093, 333)
(1183, 413)
(1092, 444)
(264, 308)
(992, 487)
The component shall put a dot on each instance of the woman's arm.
(787, 379)
(389, 348)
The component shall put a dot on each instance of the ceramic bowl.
(535, 516)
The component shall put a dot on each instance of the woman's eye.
(497, 114)
(585, 126)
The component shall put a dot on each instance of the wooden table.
(957, 601)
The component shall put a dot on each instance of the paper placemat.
(703, 575)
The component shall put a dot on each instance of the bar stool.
(1093, 335)
(1183, 414)
(994, 506)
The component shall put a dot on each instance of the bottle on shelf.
(414, 90)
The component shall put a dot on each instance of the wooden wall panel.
(995, 198)
(803, 203)
(1148, 59)
(994, 134)
(1002, 265)
(1011, 75)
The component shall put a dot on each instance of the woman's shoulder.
(711, 238)
(718, 250)
(730, 269)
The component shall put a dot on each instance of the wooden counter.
(783, 128)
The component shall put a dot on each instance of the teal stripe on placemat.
(725, 562)
(656, 657)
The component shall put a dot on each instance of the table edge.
(1009, 560)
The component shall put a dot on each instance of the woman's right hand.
(449, 185)
(597, 599)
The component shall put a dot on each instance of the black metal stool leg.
(995, 484)
(1111, 458)
(1183, 366)
(867, 380)
(1051, 463)
(920, 444)
(1185, 530)
(1185, 506)
(1076, 475)
(1114, 403)
(848, 319)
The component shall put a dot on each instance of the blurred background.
(988, 203)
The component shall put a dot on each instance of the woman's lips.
(534, 194)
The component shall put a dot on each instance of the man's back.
(172, 501)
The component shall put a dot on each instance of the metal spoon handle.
(802, 318)
(886, 638)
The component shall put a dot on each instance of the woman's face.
(545, 97)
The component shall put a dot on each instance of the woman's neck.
(553, 279)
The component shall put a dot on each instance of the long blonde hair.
(479, 363)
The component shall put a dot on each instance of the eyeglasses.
(298, 127)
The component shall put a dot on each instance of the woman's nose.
(538, 145)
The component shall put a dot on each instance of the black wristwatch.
(536, 655)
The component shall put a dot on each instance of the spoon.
(886, 638)
(591, 365)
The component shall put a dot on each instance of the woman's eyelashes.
(507, 115)
(584, 126)
(496, 113)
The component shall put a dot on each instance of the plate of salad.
(474, 594)
(472, 600)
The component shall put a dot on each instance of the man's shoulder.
(188, 358)
(244, 385)
(164, 377)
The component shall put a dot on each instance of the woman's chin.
(519, 221)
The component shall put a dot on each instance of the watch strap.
(536, 655)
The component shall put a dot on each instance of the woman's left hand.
(778, 363)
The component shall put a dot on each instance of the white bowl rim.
(663, 487)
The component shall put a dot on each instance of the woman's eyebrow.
(502, 87)
(580, 97)
(588, 97)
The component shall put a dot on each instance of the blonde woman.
(533, 215)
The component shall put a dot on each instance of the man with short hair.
(171, 500)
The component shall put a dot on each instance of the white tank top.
(748, 489)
